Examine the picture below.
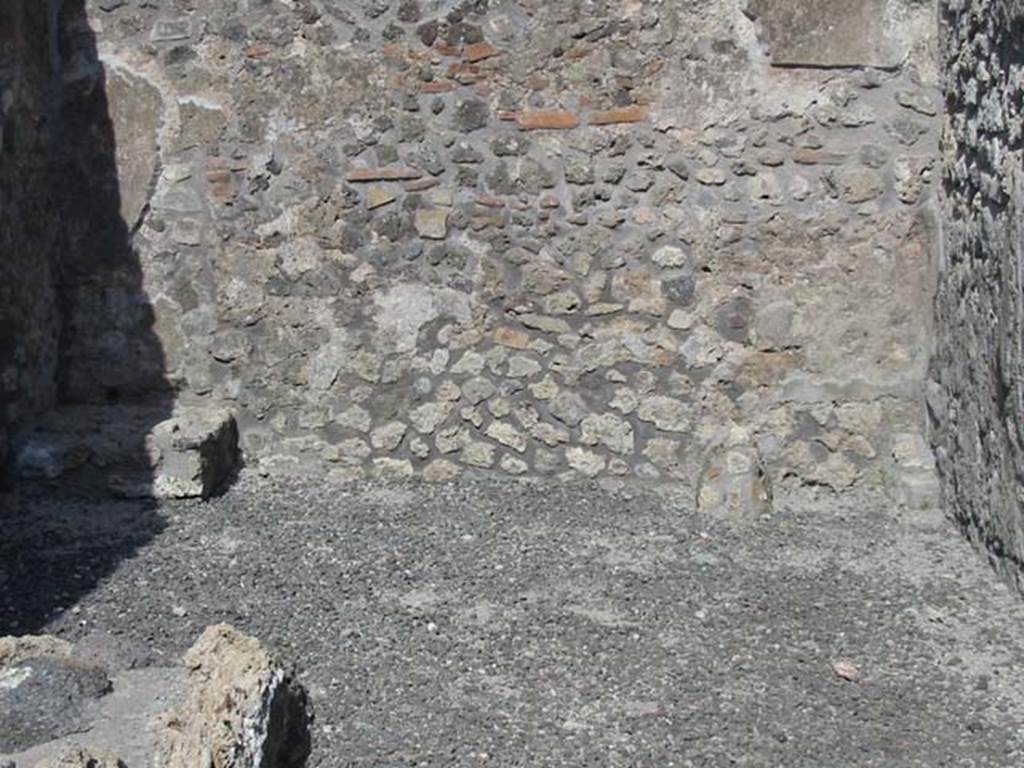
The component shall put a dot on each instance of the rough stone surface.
(14, 650)
(976, 400)
(242, 709)
(838, 33)
(44, 697)
(506, 206)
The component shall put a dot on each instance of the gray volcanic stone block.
(29, 231)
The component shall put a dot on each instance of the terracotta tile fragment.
(436, 87)
(479, 51)
(489, 201)
(554, 119)
(391, 173)
(257, 51)
(419, 185)
(632, 114)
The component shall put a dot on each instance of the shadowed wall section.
(67, 253)
(85, 335)
(29, 220)
(977, 397)
(107, 160)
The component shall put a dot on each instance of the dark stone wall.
(977, 396)
(29, 219)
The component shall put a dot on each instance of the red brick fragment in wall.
(489, 201)
(479, 51)
(467, 74)
(419, 185)
(547, 120)
(393, 173)
(436, 87)
(257, 51)
(633, 114)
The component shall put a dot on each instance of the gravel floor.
(525, 625)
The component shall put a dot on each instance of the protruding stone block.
(198, 451)
(135, 452)
(734, 485)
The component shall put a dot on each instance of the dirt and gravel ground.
(531, 625)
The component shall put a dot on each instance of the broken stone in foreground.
(242, 708)
(131, 451)
(232, 706)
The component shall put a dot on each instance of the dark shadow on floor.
(82, 367)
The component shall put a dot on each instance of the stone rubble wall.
(584, 238)
(976, 399)
(29, 230)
